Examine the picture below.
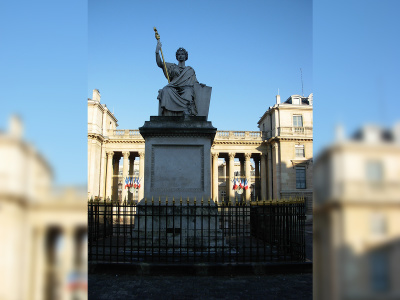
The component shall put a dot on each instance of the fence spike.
(152, 200)
(173, 201)
(180, 201)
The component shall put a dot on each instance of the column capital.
(247, 155)
(215, 155)
(110, 153)
(231, 155)
(126, 154)
(141, 154)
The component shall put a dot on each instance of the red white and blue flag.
(241, 185)
(246, 184)
(235, 185)
(126, 182)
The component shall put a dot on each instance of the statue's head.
(181, 51)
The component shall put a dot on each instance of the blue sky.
(244, 50)
(53, 54)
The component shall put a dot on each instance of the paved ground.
(118, 285)
(289, 286)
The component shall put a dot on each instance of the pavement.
(119, 283)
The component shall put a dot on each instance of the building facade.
(43, 232)
(275, 160)
(356, 217)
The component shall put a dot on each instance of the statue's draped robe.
(178, 96)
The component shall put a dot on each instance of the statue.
(183, 95)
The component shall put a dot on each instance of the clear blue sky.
(53, 54)
(244, 50)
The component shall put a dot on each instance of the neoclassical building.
(356, 216)
(43, 232)
(276, 160)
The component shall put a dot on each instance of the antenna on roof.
(301, 76)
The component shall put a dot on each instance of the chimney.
(96, 95)
(278, 99)
(396, 133)
(339, 133)
(16, 127)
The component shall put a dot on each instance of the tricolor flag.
(241, 183)
(130, 181)
(235, 185)
(135, 183)
(126, 182)
(138, 183)
(246, 184)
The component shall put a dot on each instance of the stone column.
(247, 175)
(257, 178)
(110, 172)
(39, 264)
(225, 171)
(270, 173)
(231, 176)
(131, 172)
(263, 177)
(67, 260)
(215, 177)
(102, 175)
(141, 176)
(115, 180)
(125, 174)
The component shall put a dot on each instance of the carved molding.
(215, 155)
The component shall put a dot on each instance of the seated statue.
(183, 95)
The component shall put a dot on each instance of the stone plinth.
(177, 166)
(178, 159)
(184, 227)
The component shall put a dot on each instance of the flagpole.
(165, 66)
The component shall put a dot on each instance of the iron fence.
(190, 232)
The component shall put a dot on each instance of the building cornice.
(96, 136)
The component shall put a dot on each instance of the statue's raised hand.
(158, 48)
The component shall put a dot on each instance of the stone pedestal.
(177, 166)
(178, 158)
(187, 228)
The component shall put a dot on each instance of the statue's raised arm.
(158, 58)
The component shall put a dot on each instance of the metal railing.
(190, 232)
(300, 131)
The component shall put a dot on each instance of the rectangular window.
(374, 170)
(379, 270)
(300, 177)
(297, 121)
(299, 150)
